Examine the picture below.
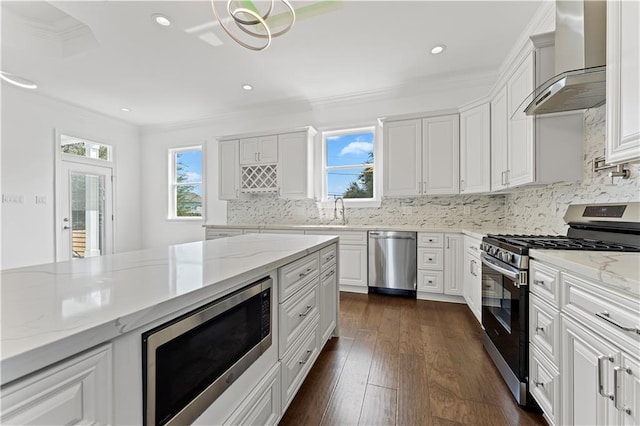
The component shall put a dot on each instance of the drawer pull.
(430, 240)
(329, 258)
(539, 329)
(600, 385)
(306, 358)
(539, 384)
(305, 273)
(617, 383)
(430, 282)
(538, 282)
(305, 313)
(430, 259)
(606, 316)
(330, 273)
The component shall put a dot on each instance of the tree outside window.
(187, 198)
(349, 164)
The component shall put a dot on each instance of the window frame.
(325, 201)
(173, 185)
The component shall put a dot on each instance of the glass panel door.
(87, 214)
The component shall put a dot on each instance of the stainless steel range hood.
(580, 60)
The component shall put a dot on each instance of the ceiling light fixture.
(247, 87)
(161, 20)
(438, 49)
(247, 20)
(16, 80)
(124, 109)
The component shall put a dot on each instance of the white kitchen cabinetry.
(352, 274)
(472, 276)
(215, 233)
(328, 292)
(259, 150)
(453, 258)
(475, 150)
(77, 391)
(263, 405)
(530, 150)
(228, 170)
(421, 156)
(623, 84)
(295, 164)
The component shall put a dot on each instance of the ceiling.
(106, 55)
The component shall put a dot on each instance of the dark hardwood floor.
(401, 361)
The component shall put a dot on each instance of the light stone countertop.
(618, 271)
(53, 311)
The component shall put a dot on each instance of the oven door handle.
(514, 274)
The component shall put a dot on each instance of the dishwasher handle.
(381, 236)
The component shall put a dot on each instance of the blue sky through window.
(191, 162)
(352, 149)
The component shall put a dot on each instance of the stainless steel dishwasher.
(392, 262)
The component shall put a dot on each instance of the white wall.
(28, 124)
(157, 230)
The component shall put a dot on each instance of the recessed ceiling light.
(16, 80)
(438, 49)
(247, 87)
(161, 20)
(123, 109)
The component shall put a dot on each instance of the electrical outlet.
(466, 210)
(13, 199)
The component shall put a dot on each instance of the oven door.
(504, 312)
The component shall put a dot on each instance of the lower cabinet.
(453, 253)
(76, 391)
(328, 302)
(472, 277)
(264, 404)
(440, 266)
(297, 362)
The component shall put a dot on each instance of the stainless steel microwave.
(190, 361)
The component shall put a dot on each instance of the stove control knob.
(506, 257)
(493, 251)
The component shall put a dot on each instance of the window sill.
(185, 219)
(350, 204)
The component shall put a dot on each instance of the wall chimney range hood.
(580, 60)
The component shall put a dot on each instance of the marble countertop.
(618, 271)
(473, 232)
(53, 311)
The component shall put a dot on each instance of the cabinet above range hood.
(580, 60)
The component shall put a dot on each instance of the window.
(84, 148)
(185, 199)
(349, 164)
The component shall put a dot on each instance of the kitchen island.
(99, 307)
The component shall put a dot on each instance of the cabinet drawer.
(543, 282)
(295, 275)
(430, 281)
(213, 234)
(430, 240)
(472, 246)
(281, 231)
(544, 328)
(611, 314)
(544, 384)
(430, 259)
(296, 313)
(76, 391)
(328, 256)
(298, 362)
(264, 404)
(346, 237)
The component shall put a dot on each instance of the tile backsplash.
(530, 210)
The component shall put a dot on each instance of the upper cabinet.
(279, 163)
(259, 150)
(475, 147)
(421, 156)
(623, 84)
(528, 150)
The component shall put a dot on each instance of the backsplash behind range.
(529, 210)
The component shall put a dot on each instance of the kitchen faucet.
(335, 210)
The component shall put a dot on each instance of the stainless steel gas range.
(505, 280)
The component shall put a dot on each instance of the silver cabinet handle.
(430, 281)
(305, 273)
(503, 181)
(539, 384)
(424, 185)
(540, 329)
(617, 384)
(331, 257)
(606, 316)
(305, 313)
(600, 385)
(447, 242)
(473, 262)
(330, 273)
(538, 282)
(430, 259)
(306, 358)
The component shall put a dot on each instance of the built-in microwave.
(191, 360)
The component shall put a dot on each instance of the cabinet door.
(629, 379)
(228, 170)
(401, 160)
(268, 149)
(293, 166)
(353, 265)
(472, 283)
(328, 292)
(499, 131)
(521, 127)
(475, 149)
(623, 84)
(249, 151)
(587, 362)
(441, 154)
(453, 253)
